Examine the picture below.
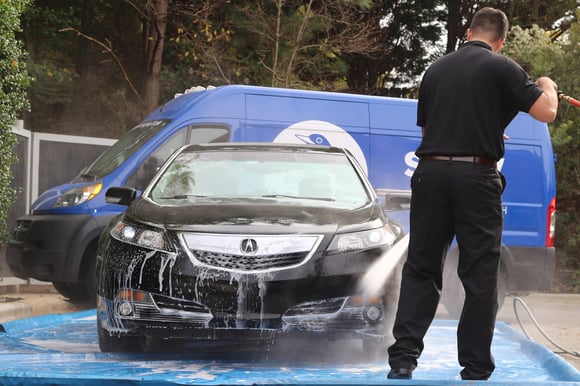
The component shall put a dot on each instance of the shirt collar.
(478, 43)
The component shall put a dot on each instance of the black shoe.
(400, 374)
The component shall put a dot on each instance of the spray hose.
(569, 99)
(537, 325)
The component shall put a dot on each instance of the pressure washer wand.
(569, 99)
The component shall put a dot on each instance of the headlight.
(362, 240)
(77, 196)
(140, 236)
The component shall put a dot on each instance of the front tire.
(453, 294)
(90, 279)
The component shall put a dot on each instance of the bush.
(14, 81)
(534, 49)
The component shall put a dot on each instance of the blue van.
(57, 241)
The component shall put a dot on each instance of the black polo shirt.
(466, 100)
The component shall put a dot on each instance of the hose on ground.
(520, 301)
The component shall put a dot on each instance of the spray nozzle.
(569, 99)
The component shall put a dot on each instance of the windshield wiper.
(181, 196)
(298, 197)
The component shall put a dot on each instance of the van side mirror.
(120, 196)
(397, 200)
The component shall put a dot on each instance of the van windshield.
(126, 146)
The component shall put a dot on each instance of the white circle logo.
(322, 133)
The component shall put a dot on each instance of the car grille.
(249, 263)
(249, 253)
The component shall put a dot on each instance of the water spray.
(373, 281)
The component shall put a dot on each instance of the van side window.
(187, 136)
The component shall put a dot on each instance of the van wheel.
(90, 272)
(453, 294)
(75, 292)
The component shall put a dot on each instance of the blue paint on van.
(55, 243)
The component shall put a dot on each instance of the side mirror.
(120, 196)
(397, 200)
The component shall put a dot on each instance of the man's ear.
(468, 34)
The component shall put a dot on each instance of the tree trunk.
(155, 26)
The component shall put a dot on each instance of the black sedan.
(244, 241)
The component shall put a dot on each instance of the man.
(466, 100)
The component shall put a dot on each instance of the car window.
(299, 178)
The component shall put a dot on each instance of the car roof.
(263, 146)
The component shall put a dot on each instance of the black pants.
(460, 199)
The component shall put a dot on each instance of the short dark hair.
(490, 21)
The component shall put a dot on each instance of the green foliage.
(533, 49)
(13, 83)
(559, 60)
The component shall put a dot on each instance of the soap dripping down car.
(245, 241)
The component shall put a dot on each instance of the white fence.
(46, 160)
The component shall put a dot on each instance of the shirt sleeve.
(521, 88)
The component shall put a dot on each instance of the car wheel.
(111, 343)
(75, 292)
(90, 268)
(453, 294)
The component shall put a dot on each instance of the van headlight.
(150, 238)
(371, 238)
(77, 196)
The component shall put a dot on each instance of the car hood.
(247, 213)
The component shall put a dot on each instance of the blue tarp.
(63, 350)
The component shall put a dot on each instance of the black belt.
(462, 158)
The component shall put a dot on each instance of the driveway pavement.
(553, 321)
(557, 315)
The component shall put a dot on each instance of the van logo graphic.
(249, 246)
(314, 132)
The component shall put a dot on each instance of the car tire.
(117, 343)
(90, 279)
(453, 294)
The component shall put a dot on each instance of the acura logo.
(249, 246)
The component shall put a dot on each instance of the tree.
(330, 44)
(402, 31)
(540, 55)
(524, 13)
(155, 21)
(13, 83)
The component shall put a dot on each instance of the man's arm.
(546, 106)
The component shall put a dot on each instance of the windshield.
(124, 148)
(321, 179)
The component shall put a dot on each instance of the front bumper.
(51, 247)
(164, 317)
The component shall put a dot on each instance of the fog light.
(125, 309)
(373, 314)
